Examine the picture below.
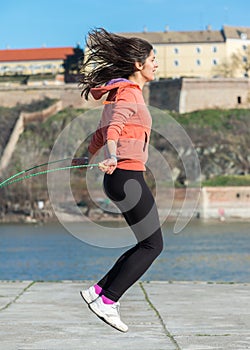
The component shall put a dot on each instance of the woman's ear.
(138, 65)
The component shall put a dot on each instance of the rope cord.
(9, 181)
(34, 167)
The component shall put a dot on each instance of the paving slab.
(204, 315)
(160, 315)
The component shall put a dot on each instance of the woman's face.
(149, 67)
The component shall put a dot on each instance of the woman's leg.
(142, 216)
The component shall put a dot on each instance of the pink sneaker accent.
(106, 300)
(98, 289)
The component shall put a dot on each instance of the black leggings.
(129, 191)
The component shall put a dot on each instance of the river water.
(203, 251)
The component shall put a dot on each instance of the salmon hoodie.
(126, 120)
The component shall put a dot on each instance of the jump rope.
(15, 178)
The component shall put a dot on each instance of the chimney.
(209, 28)
(166, 28)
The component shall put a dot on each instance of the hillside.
(220, 138)
(8, 117)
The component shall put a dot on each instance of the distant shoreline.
(22, 219)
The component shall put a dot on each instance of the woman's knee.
(159, 246)
(154, 243)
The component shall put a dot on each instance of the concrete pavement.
(160, 316)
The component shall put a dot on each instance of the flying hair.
(110, 56)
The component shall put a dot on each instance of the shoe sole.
(85, 298)
(102, 317)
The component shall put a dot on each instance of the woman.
(118, 68)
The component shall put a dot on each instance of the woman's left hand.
(108, 166)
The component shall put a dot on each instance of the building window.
(214, 49)
(244, 47)
(198, 62)
(176, 50)
(176, 63)
(5, 69)
(198, 49)
(244, 59)
(214, 62)
(19, 69)
(239, 100)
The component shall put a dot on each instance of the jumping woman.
(118, 67)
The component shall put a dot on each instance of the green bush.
(36, 105)
(228, 180)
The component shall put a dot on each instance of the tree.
(237, 65)
(241, 61)
(225, 69)
(72, 65)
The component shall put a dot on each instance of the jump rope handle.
(80, 161)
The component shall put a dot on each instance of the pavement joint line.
(166, 331)
(18, 296)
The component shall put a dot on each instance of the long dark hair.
(110, 56)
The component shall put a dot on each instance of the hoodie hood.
(98, 92)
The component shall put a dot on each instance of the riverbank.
(12, 218)
(208, 203)
(26, 219)
(160, 315)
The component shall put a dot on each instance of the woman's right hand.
(108, 165)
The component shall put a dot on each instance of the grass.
(228, 180)
(216, 119)
(22, 78)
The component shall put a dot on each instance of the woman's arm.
(109, 165)
(120, 113)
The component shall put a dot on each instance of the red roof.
(40, 54)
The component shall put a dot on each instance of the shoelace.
(117, 307)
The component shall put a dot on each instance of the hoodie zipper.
(145, 141)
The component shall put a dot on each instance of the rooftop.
(38, 54)
(198, 36)
(179, 37)
(236, 32)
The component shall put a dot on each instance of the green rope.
(34, 167)
(9, 181)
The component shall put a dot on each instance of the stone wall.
(219, 203)
(190, 94)
(180, 95)
(225, 202)
(42, 115)
(165, 94)
(11, 144)
(23, 119)
(69, 94)
(199, 94)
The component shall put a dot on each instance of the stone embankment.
(207, 203)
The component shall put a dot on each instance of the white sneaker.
(89, 295)
(109, 313)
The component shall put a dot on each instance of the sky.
(54, 23)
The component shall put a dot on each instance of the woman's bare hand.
(108, 166)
